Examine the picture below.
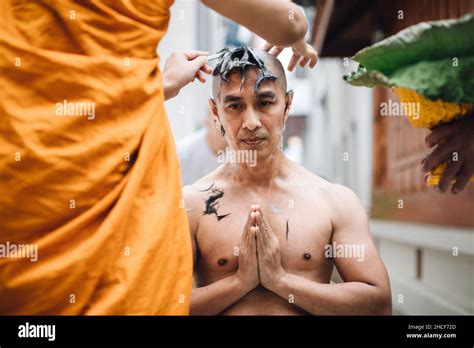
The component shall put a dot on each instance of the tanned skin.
(265, 255)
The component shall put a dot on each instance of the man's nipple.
(222, 262)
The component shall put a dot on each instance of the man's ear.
(213, 107)
(288, 102)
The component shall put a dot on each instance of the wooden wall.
(399, 148)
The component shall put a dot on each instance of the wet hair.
(242, 58)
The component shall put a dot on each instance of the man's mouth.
(253, 141)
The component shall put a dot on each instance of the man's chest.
(303, 232)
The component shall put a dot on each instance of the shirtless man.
(263, 234)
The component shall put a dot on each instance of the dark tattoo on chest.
(211, 202)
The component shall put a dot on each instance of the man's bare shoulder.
(344, 206)
(196, 193)
(198, 188)
(336, 194)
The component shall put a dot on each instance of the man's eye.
(265, 103)
(234, 106)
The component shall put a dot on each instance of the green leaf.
(436, 59)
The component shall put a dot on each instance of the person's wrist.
(280, 285)
(169, 87)
(242, 285)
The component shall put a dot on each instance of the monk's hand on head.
(247, 274)
(182, 68)
(303, 53)
(268, 251)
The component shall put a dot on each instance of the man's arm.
(366, 288)
(214, 298)
(280, 22)
(217, 297)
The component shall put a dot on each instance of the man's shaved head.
(243, 58)
(250, 100)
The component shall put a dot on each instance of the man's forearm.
(280, 22)
(213, 299)
(332, 299)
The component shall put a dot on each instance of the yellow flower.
(432, 113)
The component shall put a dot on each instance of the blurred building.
(425, 238)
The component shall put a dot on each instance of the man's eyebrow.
(229, 98)
(267, 94)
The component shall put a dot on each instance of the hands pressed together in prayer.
(259, 253)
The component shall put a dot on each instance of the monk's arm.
(366, 287)
(214, 298)
(280, 22)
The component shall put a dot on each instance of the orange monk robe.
(88, 169)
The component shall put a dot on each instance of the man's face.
(252, 120)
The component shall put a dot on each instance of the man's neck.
(211, 143)
(260, 175)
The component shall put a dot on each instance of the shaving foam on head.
(240, 59)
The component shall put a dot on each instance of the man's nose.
(251, 120)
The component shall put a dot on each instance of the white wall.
(192, 26)
(340, 121)
(446, 285)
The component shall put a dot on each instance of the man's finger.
(248, 236)
(261, 221)
(199, 62)
(293, 61)
(207, 69)
(261, 245)
(264, 230)
(267, 47)
(452, 168)
(304, 61)
(314, 60)
(192, 54)
(253, 239)
(256, 232)
(276, 51)
(467, 170)
(253, 218)
(439, 155)
(200, 77)
(440, 133)
(246, 227)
